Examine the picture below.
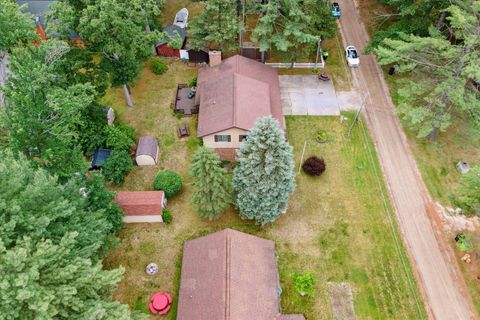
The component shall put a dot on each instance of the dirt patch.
(341, 298)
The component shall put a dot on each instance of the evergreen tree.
(50, 237)
(289, 28)
(212, 194)
(43, 280)
(264, 179)
(35, 205)
(444, 71)
(217, 27)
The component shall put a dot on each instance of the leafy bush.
(168, 181)
(464, 242)
(304, 283)
(467, 195)
(117, 167)
(92, 131)
(166, 216)
(158, 66)
(120, 137)
(321, 136)
(314, 166)
(193, 82)
(100, 198)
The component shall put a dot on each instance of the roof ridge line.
(234, 109)
(228, 274)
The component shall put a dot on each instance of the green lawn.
(337, 226)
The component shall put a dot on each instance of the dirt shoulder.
(438, 274)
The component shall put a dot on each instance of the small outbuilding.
(99, 158)
(164, 48)
(147, 151)
(141, 206)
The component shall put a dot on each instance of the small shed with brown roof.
(229, 275)
(141, 206)
(147, 151)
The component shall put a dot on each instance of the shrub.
(168, 181)
(117, 166)
(304, 283)
(120, 137)
(464, 242)
(314, 166)
(321, 136)
(166, 216)
(193, 82)
(158, 66)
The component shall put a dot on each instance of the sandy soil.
(442, 285)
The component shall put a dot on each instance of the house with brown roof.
(141, 206)
(232, 96)
(230, 275)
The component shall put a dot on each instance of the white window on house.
(222, 138)
(242, 137)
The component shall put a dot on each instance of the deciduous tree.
(43, 113)
(212, 194)
(264, 179)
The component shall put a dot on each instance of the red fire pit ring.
(160, 303)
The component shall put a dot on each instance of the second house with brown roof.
(232, 96)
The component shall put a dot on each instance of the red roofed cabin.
(232, 95)
(141, 206)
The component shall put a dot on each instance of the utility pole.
(318, 51)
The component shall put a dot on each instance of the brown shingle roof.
(229, 275)
(136, 203)
(235, 94)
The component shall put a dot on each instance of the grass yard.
(337, 226)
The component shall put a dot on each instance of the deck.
(183, 103)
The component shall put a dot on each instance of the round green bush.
(168, 181)
(158, 66)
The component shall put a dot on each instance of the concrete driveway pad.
(306, 95)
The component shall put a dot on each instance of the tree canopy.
(264, 178)
(50, 237)
(217, 27)
(15, 26)
(212, 194)
(42, 112)
(294, 28)
(444, 71)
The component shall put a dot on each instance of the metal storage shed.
(147, 151)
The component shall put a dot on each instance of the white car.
(352, 56)
(181, 18)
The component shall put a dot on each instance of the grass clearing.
(336, 226)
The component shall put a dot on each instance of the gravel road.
(441, 283)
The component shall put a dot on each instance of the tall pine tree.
(445, 71)
(264, 180)
(50, 241)
(217, 27)
(212, 194)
